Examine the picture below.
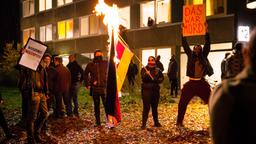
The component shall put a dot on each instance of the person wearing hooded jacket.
(95, 79)
(151, 76)
(198, 66)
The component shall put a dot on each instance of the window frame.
(30, 29)
(65, 22)
(30, 3)
(64, 3)
(45, 5)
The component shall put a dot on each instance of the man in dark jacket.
(76, 81)
(198, 66)
(37, 106)
(151, 76)
(232, 104)
(95, 77)
(51, 72)
(172, 75)
(62, 87)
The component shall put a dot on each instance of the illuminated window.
(69, 28)
(46, 33)
(93, 24)
(65, 29)
(45, 5)
(30, 32)
(165, 54)
(124, 14)
(162, 11)
(213, 7)
(84, 26)
(28, 8)
(146, 10)
(63, 2)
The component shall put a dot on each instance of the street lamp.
(251, 4)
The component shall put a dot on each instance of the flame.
(111, 17)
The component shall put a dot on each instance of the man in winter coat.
(62, 87)
(95, 79)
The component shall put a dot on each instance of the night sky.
(10, 23)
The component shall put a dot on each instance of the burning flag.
(119, 59)
(112, 101)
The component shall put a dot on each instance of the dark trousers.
(60, 97)
(96, 101)
(25, 94)
(3, 123)
(174, 86)
(37, 105)
(73, 96)
(131, 80)
(190, 89)
(150, 98)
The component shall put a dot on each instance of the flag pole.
(122, 40)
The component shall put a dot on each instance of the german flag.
(124, 56)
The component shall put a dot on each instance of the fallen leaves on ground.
(74, 130)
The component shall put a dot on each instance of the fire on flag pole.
(119, 60)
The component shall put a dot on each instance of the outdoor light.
(243, 33)
(251, 4)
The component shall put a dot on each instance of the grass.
(12, 98)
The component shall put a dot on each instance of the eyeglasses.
(151, 60)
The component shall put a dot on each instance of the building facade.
(70, 26)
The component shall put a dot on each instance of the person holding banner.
(198, 66)
(151, 76)
(37, 105)
(95, 79)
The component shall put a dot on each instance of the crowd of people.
(54, 87)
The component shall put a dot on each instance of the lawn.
(82, 130)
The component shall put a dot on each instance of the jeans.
(73, 96)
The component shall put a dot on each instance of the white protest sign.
(33, 53)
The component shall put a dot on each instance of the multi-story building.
(70, 26)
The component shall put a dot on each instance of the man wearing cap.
(95, 79)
